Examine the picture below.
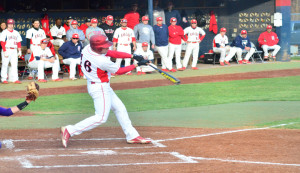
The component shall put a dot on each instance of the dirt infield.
(162, 82)
(174, 150)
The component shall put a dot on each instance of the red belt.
(99, 82)
(35, 44)
(10, 48)
(125, 44)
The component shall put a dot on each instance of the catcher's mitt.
(32, 91)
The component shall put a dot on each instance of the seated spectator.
(74, 30)
(242, 43)
(92, 30)
(148, 55)
(221, 45)
(85, 26)
(42, 58)
(71, 53)
(269, 40)
(58, 33)
(67, 24)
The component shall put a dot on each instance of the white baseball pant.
(266, 48)
(41, 65)
(105, 100)
(144, 68)
(177, 49)
(165, 61)
(229, 50)
(13, 59)
(72, 62)
(58, 42)
(239, 52)
(124, 48)
(191, 48)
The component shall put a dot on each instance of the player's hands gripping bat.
(32, 91)
(167, 75)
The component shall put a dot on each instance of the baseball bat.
(167, 75)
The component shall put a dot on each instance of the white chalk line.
(221, 133)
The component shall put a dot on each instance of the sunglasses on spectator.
(75, 38)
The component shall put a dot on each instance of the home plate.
(100, 152)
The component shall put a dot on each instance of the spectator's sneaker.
(17, 82)
(73, 78)
(129, 73)
(221, 63)
(227, 62)
(139, 140)
(246, 61)
(57, 80)
(180, 69)
(5, 82)
(241, 62)
(165, 70)
(195, 68)
(65, 135)
(30, 78)
(139, 73)
(266, 57)
(42, 80)
(143, 73)
(172, 70)
(183, 68)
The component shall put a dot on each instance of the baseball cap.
(124, 20)
(74, 22)
(243, 32)
(10, 21)
(94, 20)
(69, 17)
(223, 30)
(99, 41)
(159, 19)
(44, 41)
(173, 19)
(144, 44)
(87, 20)
(145, 18)
(194, 21)
(75, 35)
(269, 27)
(109, 17)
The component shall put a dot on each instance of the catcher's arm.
(15, 109)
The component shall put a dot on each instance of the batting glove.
(138, 57)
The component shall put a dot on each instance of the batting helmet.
(99, 41)
(10, 21)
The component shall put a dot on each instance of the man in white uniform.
(195, 36)
(42, 58)
(147, 55)
(221, 45)
(97, 68)
(123, 36)
(11, 44)
(58, 33)
(34, 36)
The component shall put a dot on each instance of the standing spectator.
(2, 28)
(71, 53)
(67, 24)
(11, 43)
(144, 33)
(148, 55)
(74, 29)
(195, 35)
(34, 36)
(176, 33)
(242, 43)
(42, 58)
(161, 33)
(220, 45)
(103, 20)
(92, 30)
(85, 26)
(58, 33)
(109, 28)
(170, 13)
(157, 12)
(124, 36)
(133, 17)
(269, 40)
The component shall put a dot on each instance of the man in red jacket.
(133, 17)
(176, 33)
(85, 26)
(269, 40)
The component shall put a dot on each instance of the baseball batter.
(195, 36)
(123, 36)
(97, 68)
(11, 44)
(34, 36)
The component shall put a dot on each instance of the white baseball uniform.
(58, 33)
(195, 36)
(40, 65)
(11, 40)
(124, 37)
(148, 55)
(98, 68)
(35, 37)
(223, 41)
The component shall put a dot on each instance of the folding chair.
(257, 52)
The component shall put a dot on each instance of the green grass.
(295, 58)
(295, 123)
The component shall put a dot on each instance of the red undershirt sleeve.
(3, 45)
(19, 44)
(124, 70)
(201, 37)
(117, 54)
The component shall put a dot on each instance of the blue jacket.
(161, 34)
(70, 50)
(241, 42)
(170, 14)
